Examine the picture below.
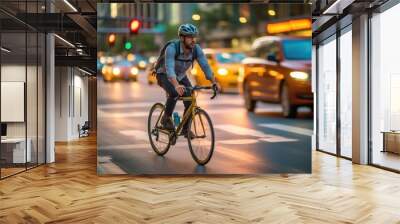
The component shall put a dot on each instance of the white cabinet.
(18, 149)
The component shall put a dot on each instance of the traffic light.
(111, 39)
(134, 26)
(128, 45)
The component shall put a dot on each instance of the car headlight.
(104, 70)
(152, 59)
(116, 71)
(134, 71)
(299, 75)
(142, 64)
(241, 74)
(103, 60)
(222, 71)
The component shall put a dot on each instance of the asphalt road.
(246, 143)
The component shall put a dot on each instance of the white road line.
(278, 139)
(238, 141)
(251, 132)
(136, 146)
(137, 134)
(240, 130)
(288, 128)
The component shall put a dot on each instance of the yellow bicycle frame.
(189, 114)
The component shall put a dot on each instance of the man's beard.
(189, 46)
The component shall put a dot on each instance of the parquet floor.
(69, 191)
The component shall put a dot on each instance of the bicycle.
(161, 139)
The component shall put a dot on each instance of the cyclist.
(175, 59)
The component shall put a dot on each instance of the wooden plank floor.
(69, 191)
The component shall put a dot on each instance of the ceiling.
(72, 20)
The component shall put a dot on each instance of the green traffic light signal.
(128, 45)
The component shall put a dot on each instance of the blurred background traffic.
(240, 41)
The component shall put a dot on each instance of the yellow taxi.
(225, 64)
(151, 79)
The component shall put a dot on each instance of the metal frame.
(387, 5)
(338, 98)
(0, 96)
(44, 74)
(339, 32)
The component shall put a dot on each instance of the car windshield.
(297, 49)
(226, 58)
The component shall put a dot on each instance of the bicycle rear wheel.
(159, 138)
(202, 145)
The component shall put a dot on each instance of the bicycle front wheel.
(159, 138)
(202, 144)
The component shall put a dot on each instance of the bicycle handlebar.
(195, 88)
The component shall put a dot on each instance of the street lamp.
(271, 12)
(196, 17)
(242, 19)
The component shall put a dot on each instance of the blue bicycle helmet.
(188, 30)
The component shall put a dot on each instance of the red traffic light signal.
(111, 39)
(134, 26)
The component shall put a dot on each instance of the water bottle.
(177, 119)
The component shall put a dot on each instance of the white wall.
(62, 80)
(12, 73)
(71, 94)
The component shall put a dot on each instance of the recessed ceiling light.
(70, 5)
(5, 49)
(64, 40)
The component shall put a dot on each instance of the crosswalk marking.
(288, 128)
(238, 141)
(251, 132)
(278, 139)
(137, 134)
(237, 130)
(148, 104)
(240, 130)
(136, 146)
(103, 114)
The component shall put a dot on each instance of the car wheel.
(248, 101)
(288, 110)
